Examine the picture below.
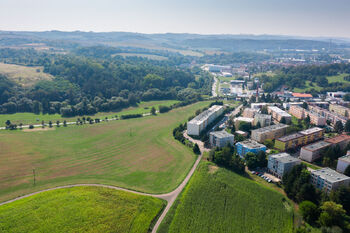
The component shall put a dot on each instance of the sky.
(329, 18)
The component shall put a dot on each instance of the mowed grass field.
(31, 118)
(24, 75)
(139, 154)
(218, 200)
(80, 209)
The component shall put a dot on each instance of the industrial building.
(340, 110)
(269, 132)
(280, 164)
(263, 119)
(327, 179)
(343, 163)
(278, 114)
(200, 122)
(249, 146)
(221, 139)
(313, 151)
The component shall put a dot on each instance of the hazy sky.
(289, 17)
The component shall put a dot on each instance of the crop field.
(24, 75)
(138, 154)
(80, 209)
(218, 200)
(31, 118)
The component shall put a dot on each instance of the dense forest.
(86, 85)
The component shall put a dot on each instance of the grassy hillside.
(31, 118)
(218, 200)
(139, 154)
(80, 209)
(24, 75)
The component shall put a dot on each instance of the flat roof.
(247, 119)
(316, 146)
(345, 158)
(221, 134)
(311, 131)
(265, 116)
(301, 95)
(204, 115)
(330, 175)
(289, 137)
(338, 139)
(251, 144)
(285, 158)
(279, 111)
(270, 128)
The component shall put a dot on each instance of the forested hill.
(85, 85)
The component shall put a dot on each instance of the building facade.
(280, 164)
(343, 163)
(250, 112)
(278, 114)
(200, 122)
(249, 146)
(313, 151)
(327, 179)
(328, 115)
(340, 110)
(221, 139)
(342, 140)
(269, 132)
(237, 121)
(301, 113)
(263, 119)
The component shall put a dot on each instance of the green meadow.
(218, 200)
(139, 154)
(81, 209)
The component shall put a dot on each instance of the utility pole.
(34, 175)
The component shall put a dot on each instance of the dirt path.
(169, 197)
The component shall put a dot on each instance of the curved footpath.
(169, 197)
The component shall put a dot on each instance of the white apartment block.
(343, 163)
(327, 179)
(280, 164)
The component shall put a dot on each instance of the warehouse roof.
(330, 175)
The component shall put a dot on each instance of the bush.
(128, 116)
(163, 109)
(31, 126)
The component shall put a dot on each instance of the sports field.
(138, 154)
(218, 200)
(80, 209)
(31, 118)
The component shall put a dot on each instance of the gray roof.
(289, 137)
(317, 146)
(330, 175)
(311, 131)
(345, 158)
(270, 128)
(221, 134)
(285, 158)
(251, 144)
(205, 115)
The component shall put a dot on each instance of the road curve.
(169, 197)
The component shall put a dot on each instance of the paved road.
(169, 197)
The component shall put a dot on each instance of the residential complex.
(249, 146)
(343, 163)
(221, 138)
(238, 120)
(263, 119)
(340, 110)
(312, 134)
(269, 132)
(301, 113)
(278, 114)
(330, 116)
(327, 179)
(342, 140)
(200, 122)
(280, 164)
(313, 151)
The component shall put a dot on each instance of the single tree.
(196, 149)
(309, 211)
(307, 121)
(338, 127)
(58, 123)
(153, 111)
(332, 214)
(8, 123)
(50, 124)
(305, 105)
(43, 124)
(65, 123)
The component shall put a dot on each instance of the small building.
(263, 119)
(343, 163)
(342, 140)
(327, 179)
(313, 151)
(221, 139)
(249, 146)
(269, 132)
(278, 114)
(238, 120)
(280, 164)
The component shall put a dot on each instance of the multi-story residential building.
(278, 114)
(262, 119)
(200, 122)
(249, 146)
(280, 164)
(327, 179)
(221, 138)
(312, 134)
(343, 163)
(340, 110)
(289, 141)
(342, 140)
(301, 113)
(250, 112)
(238, 120)
(313, 151)
(269, 132)
(330, 116)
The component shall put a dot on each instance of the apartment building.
(200, 122)
(278, 114)
(250, 112)
(327, 179)
(221, 138)
(312, 134)
(263, 119)
(269, 132)
(249, 146)
(331, 116)
(343, 163)
(340, 110)
(313, 151)
(280, 164)
(301, 113)
(238, 120)
(342, 140)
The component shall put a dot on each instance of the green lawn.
(81, 209)
(138, 154)
(218, 200)
(31, 118)
(331, 79)
(337, 78)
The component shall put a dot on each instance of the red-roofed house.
(302, 95)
